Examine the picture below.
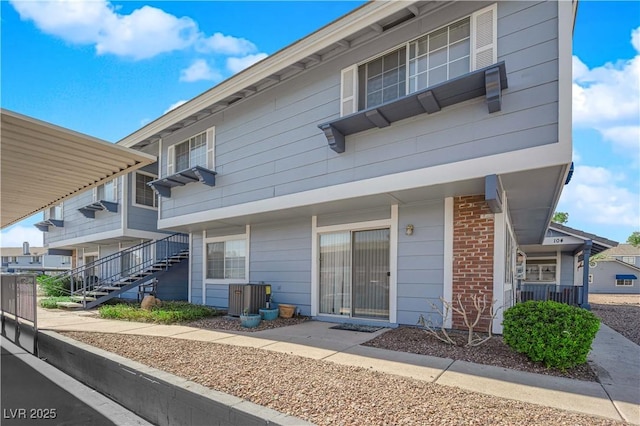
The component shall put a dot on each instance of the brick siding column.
(473, 230)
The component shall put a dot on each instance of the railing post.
(586, 254)
(15, 311)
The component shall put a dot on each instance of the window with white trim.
(107, 191)
(54, 212)
(143, 194)
(198, 150)
(451, 51)
(541, 270)
(226, 259)
(624, 283)
(629, 259)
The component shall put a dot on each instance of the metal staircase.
(110, 276)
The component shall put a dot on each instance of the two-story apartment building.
(395, 156)
(113, 221)
(33, 259)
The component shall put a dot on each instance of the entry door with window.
(354, 273)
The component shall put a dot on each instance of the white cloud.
(625, 136)
(236, 65)
(199, 70)
(144, 33)
(174, 106)
(598, 195)
(228, 45)
(16, 235)
(607, 99)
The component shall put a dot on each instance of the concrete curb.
(159, 397)
(93, 399)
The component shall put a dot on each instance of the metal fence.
(18, 300)
(571, 295)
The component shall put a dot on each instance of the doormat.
(357, 327)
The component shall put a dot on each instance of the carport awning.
(626, 277)
(43, 165)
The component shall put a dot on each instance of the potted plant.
(250, 320)
(286, 311)
(269, 313)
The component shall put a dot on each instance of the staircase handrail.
(88, 282)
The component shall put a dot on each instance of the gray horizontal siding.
(420, 260)
(566, 269)
(197, 265)
(281, 256)
(604, 278)
(271, 146)
(76, 225)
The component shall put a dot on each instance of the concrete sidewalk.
(615, 359)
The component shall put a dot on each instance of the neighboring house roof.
(619, 262)
(600, 244)
(353, 29)
(622, 250)
(43, 165)
(17, 251)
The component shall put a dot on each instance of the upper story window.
(629, 259)
(143, 194)
(54, 212)
(35, 259)
(624, 283)
(195, 151)
(107, 191)
(446, 53)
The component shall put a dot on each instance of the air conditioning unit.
(249, 297)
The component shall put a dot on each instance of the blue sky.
(107, 68)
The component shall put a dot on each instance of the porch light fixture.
(409, 230)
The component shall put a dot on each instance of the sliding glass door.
(354, 273)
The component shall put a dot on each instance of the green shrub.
(167, 313)
(51, 302)
(553, 333)
(54, 286)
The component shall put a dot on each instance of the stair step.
(109, 288)
(69, 305)
(81, 298)
(97, 293)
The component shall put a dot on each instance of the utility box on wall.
(249, 297)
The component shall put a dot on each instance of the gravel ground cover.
(229, 323)
(493, 352)
(326, 393)
(620, 312)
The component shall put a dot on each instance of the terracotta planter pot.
(286, 311)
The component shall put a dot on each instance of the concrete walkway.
(615, 359)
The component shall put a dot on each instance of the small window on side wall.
(144, 195)
(107, 191)
(226, 259)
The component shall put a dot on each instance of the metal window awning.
(488, 82)
(163, 185)
(45, 224)
(43, 165)
(626, 277)
(89, 211)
